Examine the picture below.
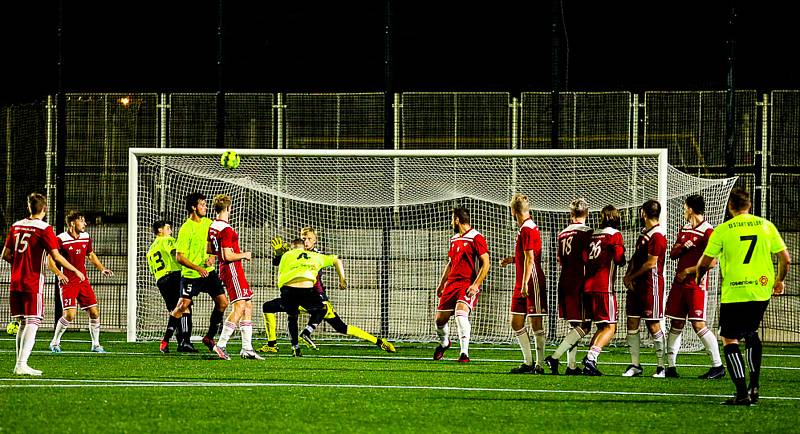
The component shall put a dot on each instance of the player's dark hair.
(158, 224)
(652, 209)
(36, 203)
(740, 199)
(192, 199)
(462, 214)
(609, 217)
(73, 215)
(696, 203)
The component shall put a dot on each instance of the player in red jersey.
(686, 298)
(460, 284)
(645, 282)
(572, 244)
(26, 248)
(530, 296)
(223, 241)
(606, 252)
(76, 245)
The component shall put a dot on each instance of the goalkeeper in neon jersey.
(744, 245)
(297, 275)
(309, 239)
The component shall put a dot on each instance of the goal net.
(387, 215)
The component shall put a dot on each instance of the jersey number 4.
(753, 239)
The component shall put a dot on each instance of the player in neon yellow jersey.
(745, 245)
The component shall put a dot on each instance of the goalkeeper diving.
(309, 237)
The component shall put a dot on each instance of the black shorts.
(293, 297)
(170, 288)
(739, 320)
(210, 284)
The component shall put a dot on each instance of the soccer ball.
(229, 160)
(12, 327)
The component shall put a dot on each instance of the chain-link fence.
(101, 127)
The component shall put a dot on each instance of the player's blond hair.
(221, 202)
(308, 230)
(579, 208)
(520, 203)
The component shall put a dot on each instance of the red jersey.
(30, 241)
(605, 253)
(528, 238)
(221, 235)
(75, 251)
(651, 242)
(572, 243)
(464, 254)
(689, 249)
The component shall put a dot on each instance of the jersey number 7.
(753, 239)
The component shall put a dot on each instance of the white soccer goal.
(387, 215)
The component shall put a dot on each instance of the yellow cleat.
(386, 345)
(268, 349)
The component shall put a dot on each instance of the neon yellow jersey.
(161, 257)
(192, 242)
(302, 264)
(745, 245)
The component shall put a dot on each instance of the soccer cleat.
(305, 337)
(522, 369)
(753, 392)
(209, 342)
(463, 358)
(714, 373)
(187, 348)
(738, 401)
(221, 352)
(552, 364)
(55, 349)
(296, 352)
(633, 371)
(26, 370)
(385, 345)
(573, 371)
(538, 370)
(250, 355)
(660, 372)
(164, 347)
(671, 372)
(439, 352)
(267, 348)
(590, 368)
(98, 349)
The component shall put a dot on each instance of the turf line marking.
(127, 383)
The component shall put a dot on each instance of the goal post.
(386, 213)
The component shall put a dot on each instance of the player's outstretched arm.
(486, 263)
(443, 278)
(7, 256)
(65, 264)
(784, 261)
(183, 260)
(51, 264)
(230, 256)
(99, 265)
(337, 263)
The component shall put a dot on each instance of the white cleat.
(633, 371)
(250, 355)
(27, 370)
(660, 372)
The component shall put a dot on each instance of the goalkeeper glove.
(277, 246)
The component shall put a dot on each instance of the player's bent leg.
(442, 331)
(464, 330)
(709, 340)
(61, 327)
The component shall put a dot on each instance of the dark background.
(315, 46)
